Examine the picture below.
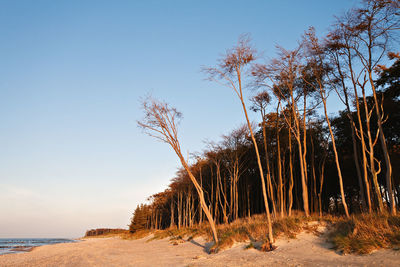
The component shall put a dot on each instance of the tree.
(283, 75)
(316, 75)
(160, 121)
(364, 35)
(231, 70)
(139, 218)
(260, 103)
(234, 152)
(338, 58)
(375, 20)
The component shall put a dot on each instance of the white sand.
(306, 250)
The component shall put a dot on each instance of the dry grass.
(362, 234)
(180, 234)
(107, 235)
(137, 235)
(252, 229)
(101, 236)
(255, 230)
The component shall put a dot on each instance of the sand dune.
(306, 250)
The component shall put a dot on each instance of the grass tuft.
(365, 233)
(255, 230)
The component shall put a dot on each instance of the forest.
(298, 157)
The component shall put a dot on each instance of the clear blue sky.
(71, 75)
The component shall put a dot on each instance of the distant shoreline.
(20, 245)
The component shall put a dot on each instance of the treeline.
(103, 231)
(306, 158)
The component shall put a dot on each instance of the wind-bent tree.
(160, 121)
(372, 26)
(362, 37)
(337, 58)
(315, 74)
(283, 76)
(340, 42)
(260, 103)
(230, 71)
(389, 84)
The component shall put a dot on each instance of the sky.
(72, 74)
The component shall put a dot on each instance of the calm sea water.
(16, 245)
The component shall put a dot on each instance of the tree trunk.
(336, 154)
(321, 186)
(371, 154)
(361, 130)
(291, 183)
(270, 235)
(200, 209)
(172, 223)
(385, 150)
(270, 188)
(302, 171)
(314, 180)
(201, 198)
(279, 164)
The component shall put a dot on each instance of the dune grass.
(253, 230)
(365, 233)
(361, 234)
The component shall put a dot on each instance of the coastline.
(307, 249)
(21, 245)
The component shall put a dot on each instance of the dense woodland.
(298, 156)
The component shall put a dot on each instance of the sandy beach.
(306, 250)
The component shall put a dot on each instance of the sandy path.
(306, 250)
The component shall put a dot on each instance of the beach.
(306, 250)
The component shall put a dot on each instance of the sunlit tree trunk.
(291, 183)
(361, 132)
(371, 153)
(314, 180)
(321, 184)
(323, 97)
(352, 125)
(270, 235)
(172, 213)
(302, 166)
(385, 149)
(279, 164)
(269, 182)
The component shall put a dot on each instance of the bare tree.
(234, 152)
(337, 58)
(260, 103)
(281, 76)
(315, 74)
(340, 42)
(230, 73)
(160, 121)
(375, 21)
(363, 36)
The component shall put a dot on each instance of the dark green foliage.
(140, 218)
(103, 232)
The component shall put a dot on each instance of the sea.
(18, 245)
